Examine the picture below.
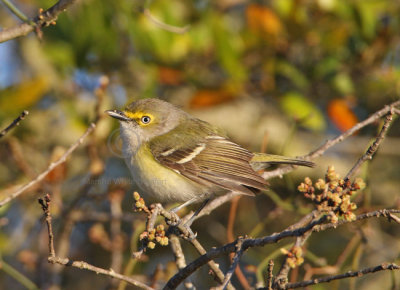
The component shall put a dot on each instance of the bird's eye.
(145, 119)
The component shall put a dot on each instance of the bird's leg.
(187, 224)
(176, 220)
(185, 204)
(191, 220)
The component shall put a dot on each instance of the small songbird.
(175, 157)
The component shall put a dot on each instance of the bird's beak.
(119, 115)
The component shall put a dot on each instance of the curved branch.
(53, 165)
(14, 123)
(331, 142)
(315, 226)
(43, 19)
(350, 274)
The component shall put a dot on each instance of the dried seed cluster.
(294, 256)
(157, 235)
(150, 237)
(333, 194)
(139, 202)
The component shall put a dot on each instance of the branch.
(349, 274)
(16, 11)
(316, 226)
(157, 209)
(43, 19)
(372, 149)
(45, 203)
(329, 143)
(14, 123)
(53, 165)
(179, 258)
(235, 262)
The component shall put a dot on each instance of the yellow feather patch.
(138, 117)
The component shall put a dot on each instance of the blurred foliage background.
(280, 76)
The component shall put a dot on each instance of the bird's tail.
(261, 160)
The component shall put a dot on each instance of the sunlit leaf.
(169, 76)
(263, 20)
(208, 98)
(292, 73)
(341, 115)
(343, 83)
(303, 111)
(22, 96)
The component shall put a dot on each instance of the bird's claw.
(174, 219)
(190, 235)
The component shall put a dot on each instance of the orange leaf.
(341, 114)
(208, 98)
(169, 76)
(261, 19)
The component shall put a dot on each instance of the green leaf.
(302, 110)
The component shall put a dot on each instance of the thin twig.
(14, 9)
(312, 218)
(43, 19)
(213, 265)
(14, 123)
(179, 258)
(270, 275)
(53, 165)
(17, 275)
(372, 149)
(350, 274)
(162, 25)
(234, 265)
(329, 143)
(158, 209)
(259, 242)
(97, 270)
(45, 203)
(230, 238)
(215, 203)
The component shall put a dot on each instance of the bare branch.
(329, 143)
(14, 123)
(45, 203)
(53, 165)
(16, 11)
(43, 19)
(235, 263)
(270, 277)
(372, 149)
(179, 258)
(316, 226)
(350, 274)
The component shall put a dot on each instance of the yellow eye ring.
(145, 119)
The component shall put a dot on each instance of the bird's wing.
(208, 158)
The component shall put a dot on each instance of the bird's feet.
(173, 220)
(183, 227)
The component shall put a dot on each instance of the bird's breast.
(159, 183)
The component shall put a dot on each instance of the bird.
(176, 158)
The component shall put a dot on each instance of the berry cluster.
(333, 195)
(152, 236)
(294, 256)
(155, 235)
